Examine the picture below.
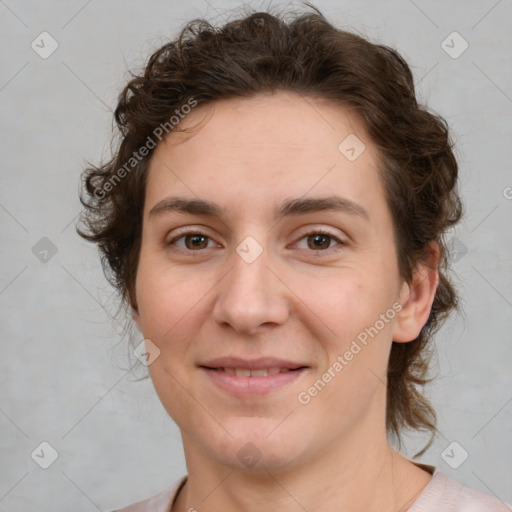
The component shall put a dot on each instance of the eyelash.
(326, 233)
(340, 243)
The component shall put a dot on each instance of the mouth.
(243, 377)
(245, 372)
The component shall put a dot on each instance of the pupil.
(318, 241)
(197, 240)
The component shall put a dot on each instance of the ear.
(417, 297)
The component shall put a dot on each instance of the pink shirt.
(442, 494)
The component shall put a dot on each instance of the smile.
(245, 372)
(246, 383)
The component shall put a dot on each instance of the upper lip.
(260, 363)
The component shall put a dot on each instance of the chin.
(258, 446)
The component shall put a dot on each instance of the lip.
(251, 364)
(251, 386)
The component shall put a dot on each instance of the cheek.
(171, 386)
(346, 302)
(352, 332)
(357, 343)
(166, 297)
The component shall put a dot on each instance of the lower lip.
(250, 386)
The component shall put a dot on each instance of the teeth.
(259, 373)
(244, 372)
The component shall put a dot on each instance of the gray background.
(64, 374)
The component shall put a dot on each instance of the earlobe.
(417, 298)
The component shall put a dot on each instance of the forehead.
(262, 149)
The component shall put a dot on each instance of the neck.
(352, 476)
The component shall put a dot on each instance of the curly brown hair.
(263, 52)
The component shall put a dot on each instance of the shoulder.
(446, 494)
(161, 502)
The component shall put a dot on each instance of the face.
(274, 264)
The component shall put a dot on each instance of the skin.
(294, 302)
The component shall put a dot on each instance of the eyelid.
(188, 230)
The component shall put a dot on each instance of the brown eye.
(191, 242)
(196, 241)
(319, 241)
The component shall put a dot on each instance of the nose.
(251, 296)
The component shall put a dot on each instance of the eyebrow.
(289, 207)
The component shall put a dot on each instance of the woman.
(274, 218)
